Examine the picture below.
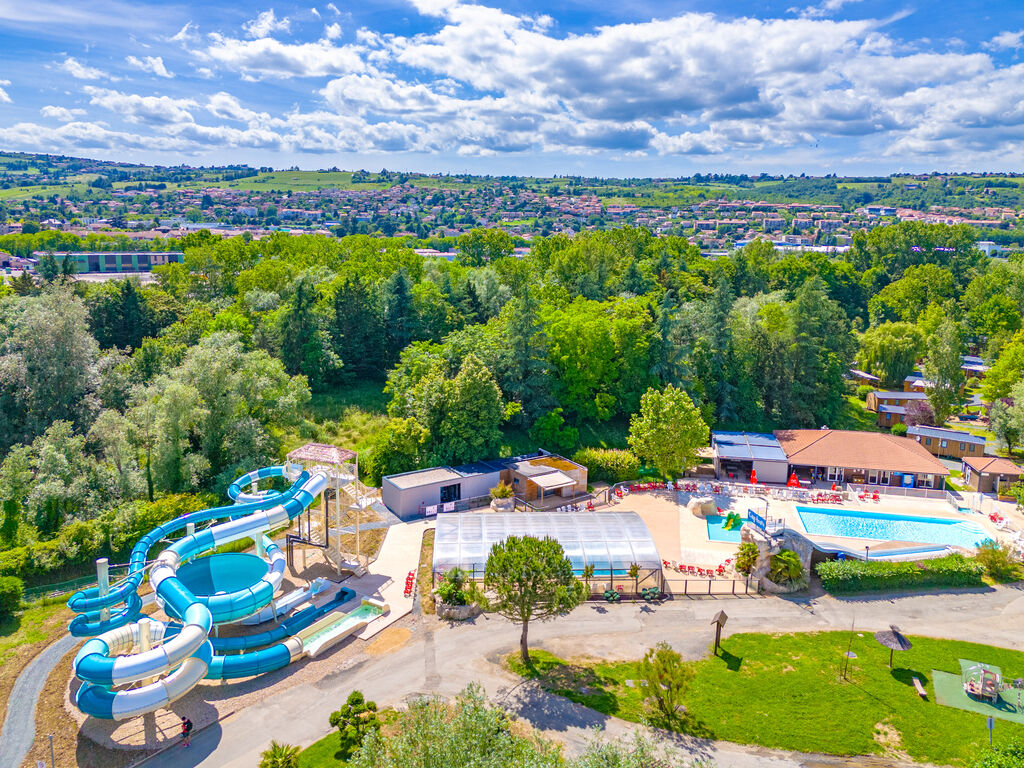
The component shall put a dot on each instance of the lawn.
(23, 636)
(322, 753)
(853, 414)
(785, 691)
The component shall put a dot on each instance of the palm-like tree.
(634, 574)
(786, 567)
(588, 574)
(280, 756)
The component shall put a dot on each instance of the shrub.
(354, 720)
(998, 560)
(746, 557)
(608, 464)
(900, 430)
(785, 567)
(973, 383)
(1009, 755)
(667, 678)
(280, 756)
(863, 390)
(501, 491)
(11, 591)
(455, 588)
(550, 430)
(860, 576)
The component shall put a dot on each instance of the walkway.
(20, 724)
(443, 660)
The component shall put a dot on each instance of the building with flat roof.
(538, 479)
(891, 405)
(115, 261)
(870, 458)
(990, 474)
(737, 454)
(952, 443)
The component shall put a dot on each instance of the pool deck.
(682, 536)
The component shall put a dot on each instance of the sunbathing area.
(698, 543)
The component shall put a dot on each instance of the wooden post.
(719, 622)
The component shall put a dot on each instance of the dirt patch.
(390, 639)
(788, 668)
(891, 740)
(425, 575)
(70, 747)
(17, 658)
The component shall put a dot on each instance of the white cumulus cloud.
(1006, 41)
(80, 71)
(64, 114)
(265, 24)
(151, 64)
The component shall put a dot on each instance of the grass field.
(22, 637)
(322, 753)
(785, 691)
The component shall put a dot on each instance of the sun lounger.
(919, 688)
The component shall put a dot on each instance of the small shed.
(738, 454)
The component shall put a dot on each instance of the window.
(943, 443)
(927, 481)
(883, 478)
(451, 493)
(927, 441)
(963, 446)
(835, 474)
(873, 476)
(888, 416)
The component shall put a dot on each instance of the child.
(186, 731)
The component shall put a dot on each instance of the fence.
(62, 588)
(462, 505)
(709, 587)
(579, 503)
(617, 579)
(894, 490)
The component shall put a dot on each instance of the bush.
(785, 567)
(900, 430)
(608, 464)
(455, 588)
(667, 677)
(998, 560)
(973, 383)
(501, 491)
(354, 721)
(1010, 755)
(863, 390)
(11, 591)
(859, 576)
(550, 431)
(746, 557)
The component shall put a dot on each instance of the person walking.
(186, 731)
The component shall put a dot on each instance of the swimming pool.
(852, 523)
(717, 533)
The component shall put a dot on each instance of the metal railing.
(691, 587)
(73, 585)
(895, 490)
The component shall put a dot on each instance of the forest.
(122, 405)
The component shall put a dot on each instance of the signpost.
(719, 622)
(991, 723)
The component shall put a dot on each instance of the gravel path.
(20, 725)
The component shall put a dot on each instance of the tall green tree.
(398, 313)
(523, 369)
(943, 372)
(668, 430)
(890, 351)
(531, 580)
(306, 346)
(357, 327)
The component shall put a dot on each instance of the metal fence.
(688, 587)
(894, 490)
(64, 587)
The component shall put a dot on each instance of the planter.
(503, 505)
(457, 612)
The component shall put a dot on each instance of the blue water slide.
(286, 628)
(184, 654)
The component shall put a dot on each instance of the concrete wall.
(772, 471)
(407, 503)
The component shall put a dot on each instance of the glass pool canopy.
(607, 540)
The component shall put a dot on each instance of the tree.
(919, 413)
(667, 677)
(354, 721)
(472, 411)
(399, 448)
(48, 268)
(306, 346)
(1005, 423)
(531, 580)
(942, 370)
(398, 313)
(908, 297)
(280, 756)
(1005, 371)
(890, 351)
(480, 246)
(357, 328)
(550, 431)
(668, 430)
(522, 369)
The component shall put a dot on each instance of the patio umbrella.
(793, 482)
(753, 477)
(894, 640)
(833, 486)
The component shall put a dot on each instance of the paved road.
(20, 724)
(443, 660)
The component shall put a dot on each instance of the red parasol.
(793, 482)
(753, 477)
(833, 486)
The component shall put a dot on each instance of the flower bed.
(859, 576)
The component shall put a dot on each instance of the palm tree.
(634, 574)
(786, 567)
(280, 756)
(588, 574)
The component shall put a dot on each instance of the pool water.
(876, 525)
(717, 533)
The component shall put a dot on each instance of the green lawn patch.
(324, 753)
(785, 692)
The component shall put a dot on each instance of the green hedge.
(79, 543)
(608, 464)
(11, 591)
(860, 576)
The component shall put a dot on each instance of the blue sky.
(624, 89)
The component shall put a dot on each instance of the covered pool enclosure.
(611, 542)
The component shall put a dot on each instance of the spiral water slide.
(163, 661)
